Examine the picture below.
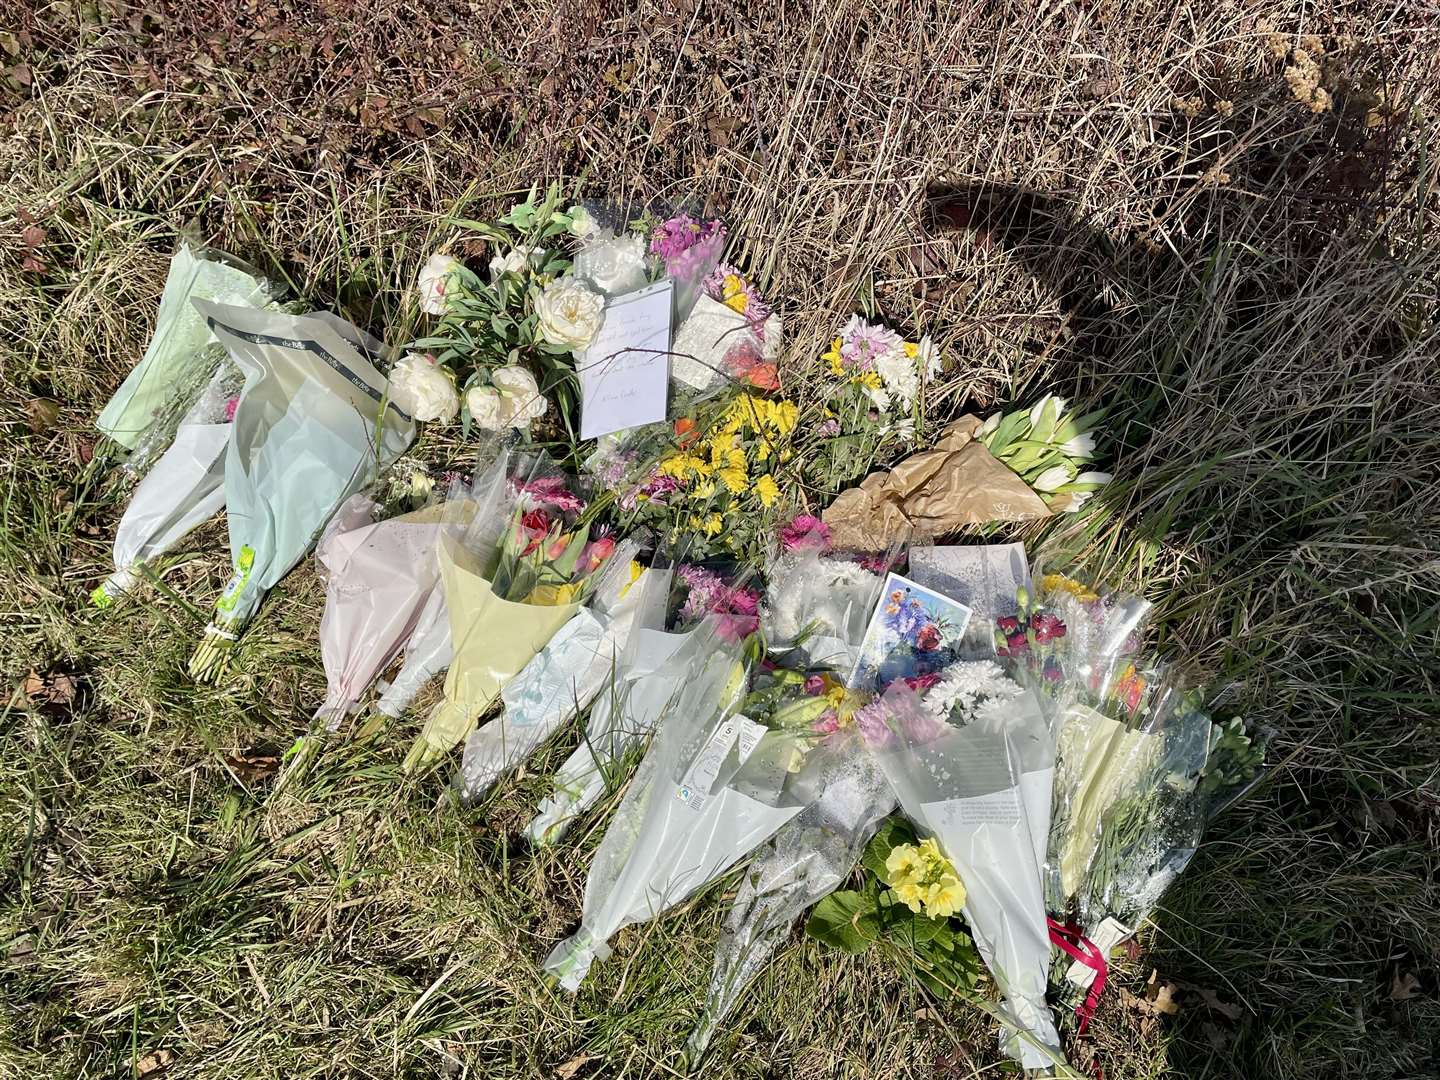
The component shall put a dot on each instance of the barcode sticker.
(694, 787)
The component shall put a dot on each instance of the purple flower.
(829, 428)
(863, 343)
(672, 239)
(873, 722)
(814, 685)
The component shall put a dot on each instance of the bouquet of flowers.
(987, 578)
(312, 427)
(818, 601)
(181, 337)
(1020, 466)
(1048, 450)
(647, 684)
(871, 379)
(806, 860)
(966, 788)
(183, 487)
(563, 679)
(714, 786)
(732, 334)
(502, 613)
(380, 576)
(713, 480)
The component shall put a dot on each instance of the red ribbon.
(1076, 945)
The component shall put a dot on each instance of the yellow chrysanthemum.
(784, 415)
(837, 362)
(1062, 583)
(714, 524)
(733, 291)
(734, 479)
(762, 450)
(767, 490)
(705, 489)
(870, 379)
(911, 349)
(680, 466)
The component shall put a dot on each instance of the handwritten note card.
(625, 373)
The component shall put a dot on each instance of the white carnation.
(970, 690)
(570, 314)
(424, 388)
(900, 376)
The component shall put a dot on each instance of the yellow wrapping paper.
(931, 494)
(493, 639)
(1110, 760)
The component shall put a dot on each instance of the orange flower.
(685, 431)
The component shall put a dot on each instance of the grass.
(1138, 208)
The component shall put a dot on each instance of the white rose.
(521, 393)
(614, 264)
(423, 387)
(515, 260)
(570, 314)
(433, 281)
(487, 408)
(582, 223)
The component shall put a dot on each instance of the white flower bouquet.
(714, 786)
(312, 427)
(971, 771)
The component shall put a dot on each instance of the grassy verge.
(1146, 206)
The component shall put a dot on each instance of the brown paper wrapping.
(930, 494)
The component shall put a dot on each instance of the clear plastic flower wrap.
(182, 486)
(1152, 828)
(986, 578)
(974, 788)
(807, 860)
(311, 428)
(502, 612)
(174, 355)
(380, 575)
(563, 679)
(713, 787)
(820, 603)
(647, 684)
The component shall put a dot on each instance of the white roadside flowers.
(424, 388)
(570, 314)
(433, 282)
(511, 399)
(515, 260)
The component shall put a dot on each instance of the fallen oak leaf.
(573, 1066)
(1160, 995)
(1404, 987)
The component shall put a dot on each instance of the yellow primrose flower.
(909, 895)
(945, 897)
(767, 490)
(924, 880)
(1062, 583)
(734, 479)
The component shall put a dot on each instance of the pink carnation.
(805, 532)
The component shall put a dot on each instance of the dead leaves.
(1168, 997)
(41, 415)
(251, 766)
(1404, 986)
(55, 691)
(154, 1063)
(569, 1070)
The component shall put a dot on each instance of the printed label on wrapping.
(694, 787)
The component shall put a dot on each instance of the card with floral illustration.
(914, 632)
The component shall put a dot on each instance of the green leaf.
(845, 920)
(893, 832)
